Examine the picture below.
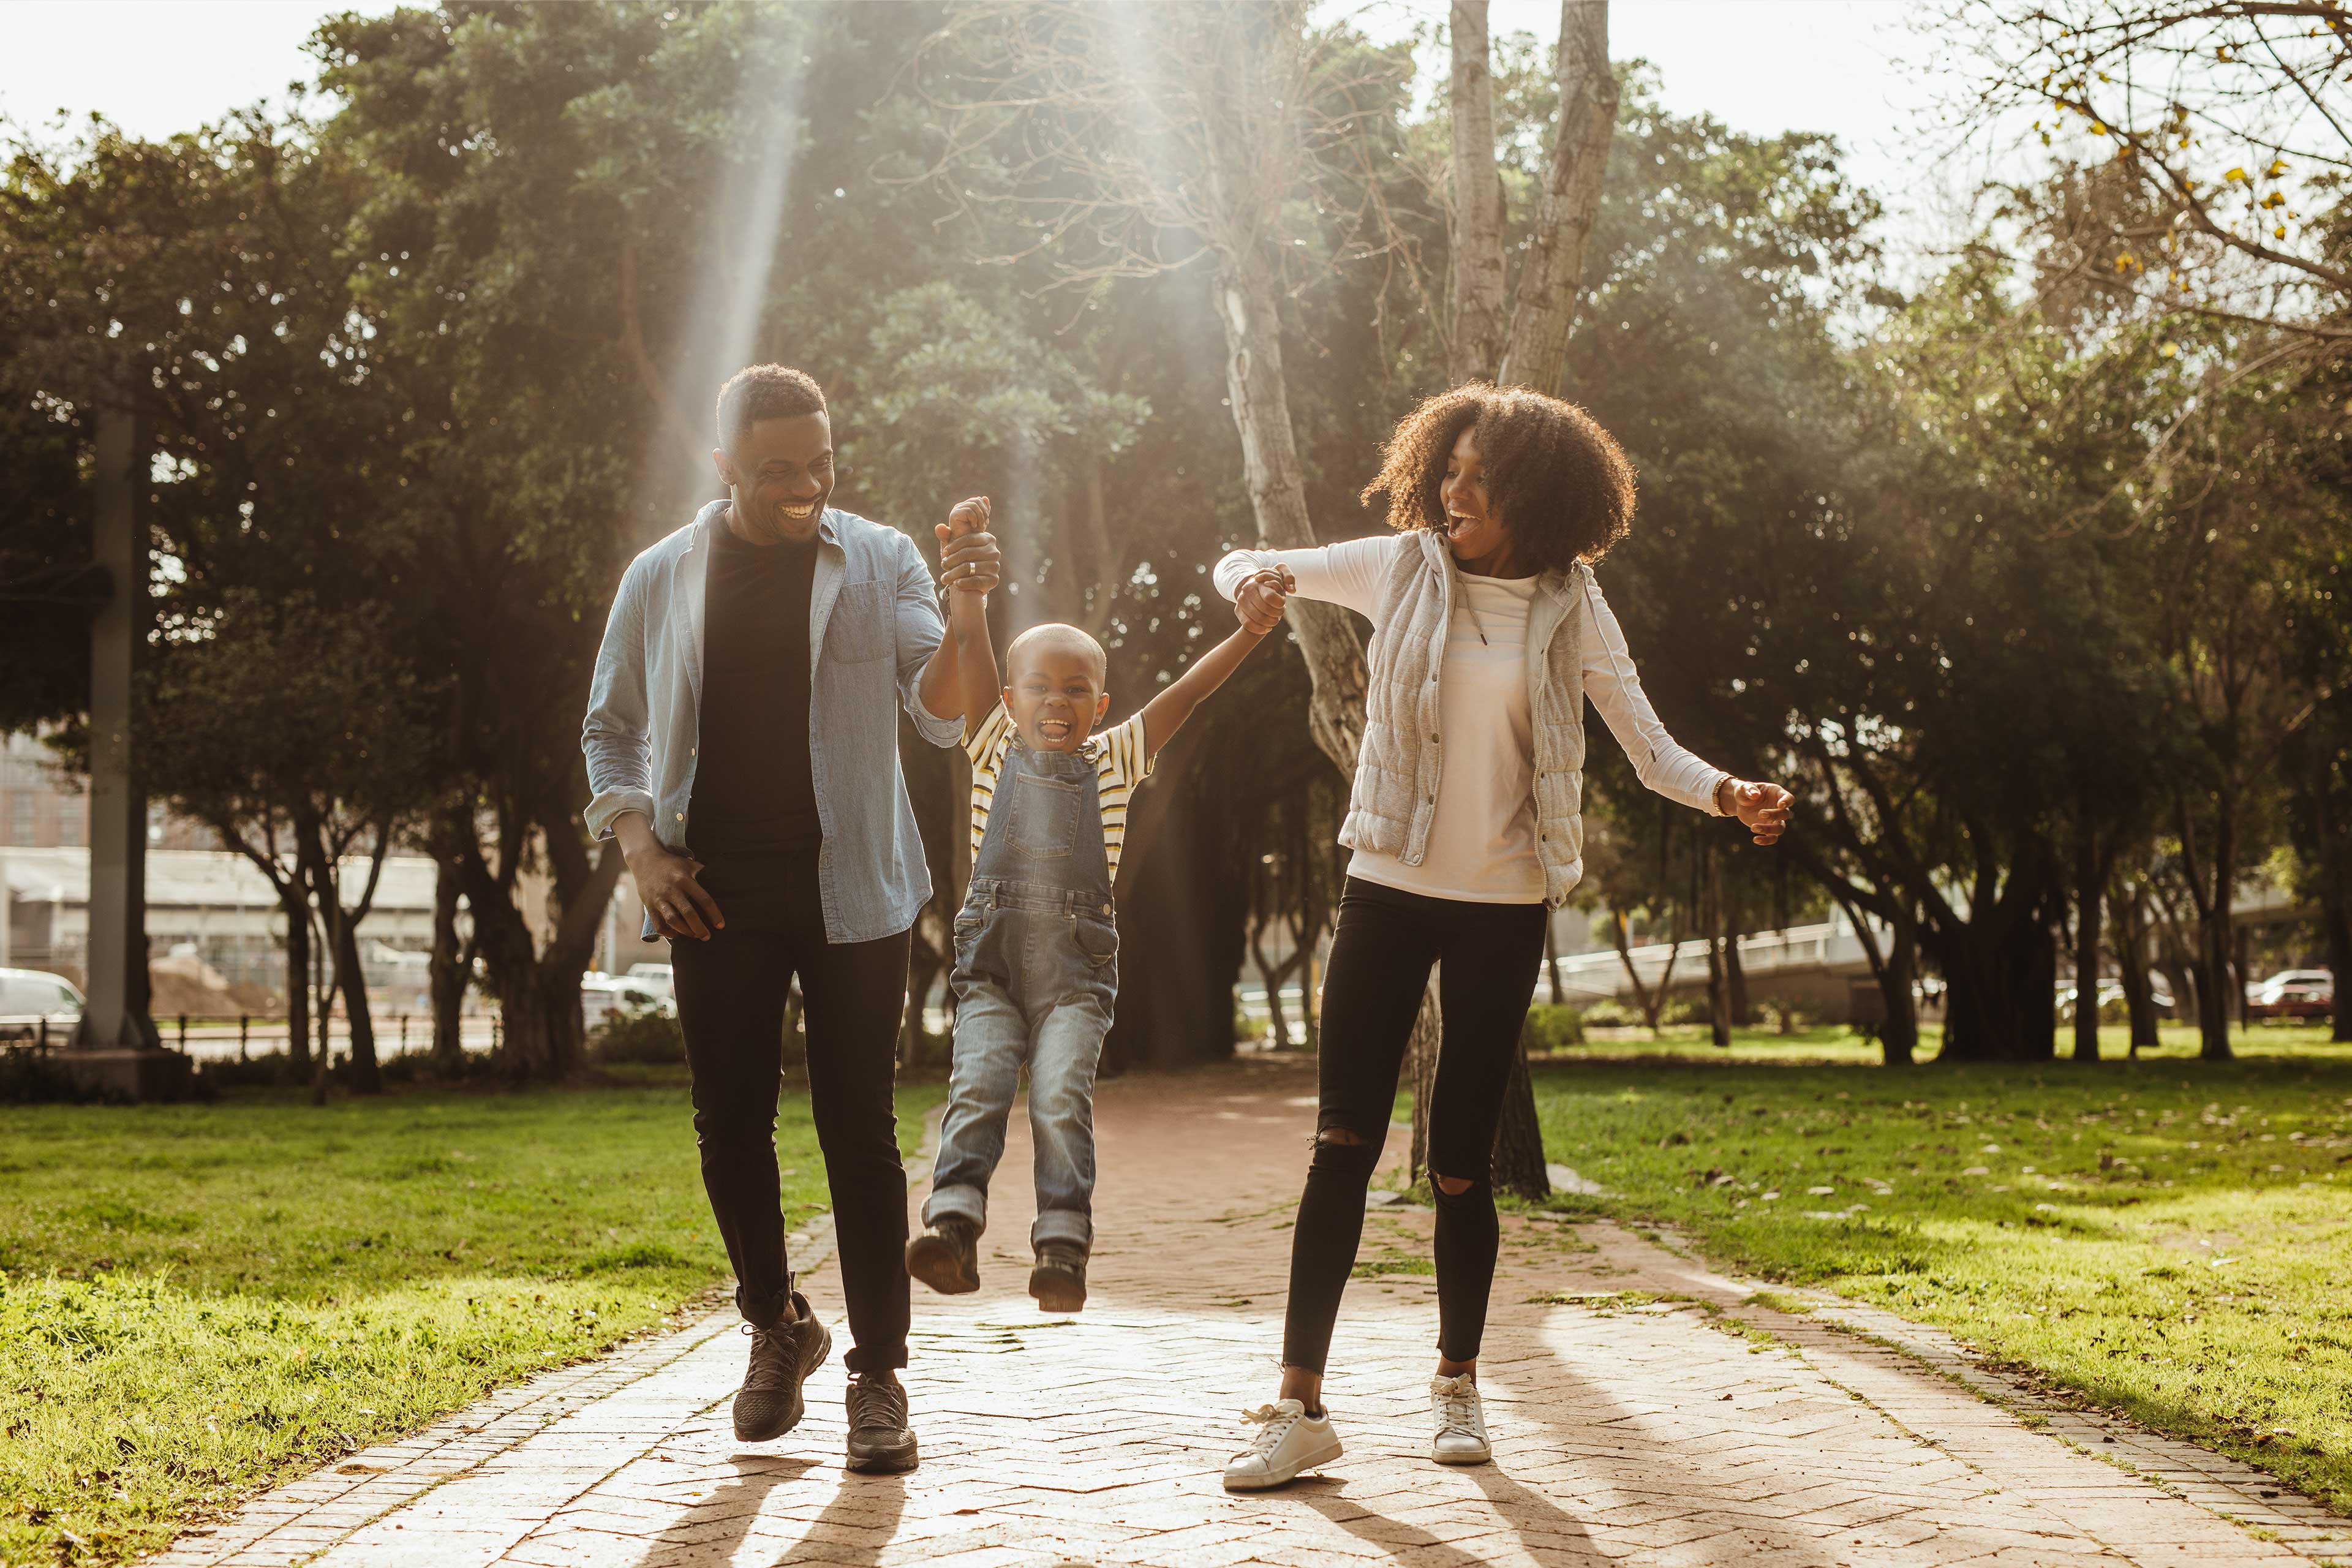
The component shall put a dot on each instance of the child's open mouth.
(1052, 729)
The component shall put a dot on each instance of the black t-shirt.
(752, 789)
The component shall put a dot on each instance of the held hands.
(970, 562)
(1258, 604)
(1762, 808)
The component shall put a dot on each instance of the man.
(742, 741)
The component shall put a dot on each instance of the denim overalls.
(1036, 971)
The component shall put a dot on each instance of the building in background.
(212, 919)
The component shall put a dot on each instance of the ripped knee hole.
(1339, 1137)
(1451, 1186)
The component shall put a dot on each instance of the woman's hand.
(1762, 808)
(1263, 594)
(970, 562)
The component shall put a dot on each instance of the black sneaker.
(880, 1439)
(947, 1257)
(1060, 1280)
(768, 1404)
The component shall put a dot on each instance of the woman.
(1488, 633)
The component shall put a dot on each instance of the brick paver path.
(1626, 1429)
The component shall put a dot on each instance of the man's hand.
(1762, 808)
(666, 881)
(1263, 594)
(970, 562)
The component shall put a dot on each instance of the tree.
(2226, 117)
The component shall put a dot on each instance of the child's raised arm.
(1260, 609)
(968, 624)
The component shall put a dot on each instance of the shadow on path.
(857, 1524)
(1565, 1545)
(714, 1526)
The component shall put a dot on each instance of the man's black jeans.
(1387, 939)
(731, 1003)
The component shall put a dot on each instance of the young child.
(1036, 951)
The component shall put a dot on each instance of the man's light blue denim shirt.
(874, 624)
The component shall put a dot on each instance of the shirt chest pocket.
(863, 623)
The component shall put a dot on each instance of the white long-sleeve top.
(1482, 839)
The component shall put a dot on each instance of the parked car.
(2111, 997)
(2293, 993)
(601, 996)
(658, 975)
(32, 997)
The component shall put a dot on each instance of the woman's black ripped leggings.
(1387, 939)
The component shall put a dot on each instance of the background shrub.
(633, 1037)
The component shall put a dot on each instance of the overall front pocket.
(1044, 816)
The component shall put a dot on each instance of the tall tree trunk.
(2130, 919)
(2215, 955)
(1179, 924)
(1518, 1136)
(447, 974)
(296, 905)
(1311, 1014)
(543, 1035)
(2088, 879)
(366, 1073)
(1474, 227)
(1643, 999)
(1735, 971)
(1898, 1033)
(1712, 921)
(2336, 917)
(2001, 1006)
(2334, 841)
(1551, 278)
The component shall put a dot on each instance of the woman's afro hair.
(1559, 483)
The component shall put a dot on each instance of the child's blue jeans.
(1036, 974)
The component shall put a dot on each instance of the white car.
(2111, 991)
(32, 997)
(601, 996)
(658, 976)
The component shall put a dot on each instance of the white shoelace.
(1274, 1424)
(1458, 1409)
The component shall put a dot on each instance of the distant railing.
(220, 1040)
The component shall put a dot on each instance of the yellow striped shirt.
(1120, 763)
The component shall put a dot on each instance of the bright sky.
(1840, 66)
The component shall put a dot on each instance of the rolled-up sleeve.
(615, 737)
(920, 632)
(1614, 688)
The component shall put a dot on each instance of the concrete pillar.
(117, 1040)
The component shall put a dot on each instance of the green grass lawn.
(197, 1299)
(2167, 1238)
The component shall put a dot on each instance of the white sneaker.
(1288, 1441)
(1461, 1422)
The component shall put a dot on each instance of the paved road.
(1626, 1430)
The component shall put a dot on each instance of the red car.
(2293, 993)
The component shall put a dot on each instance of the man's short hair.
(765, 392)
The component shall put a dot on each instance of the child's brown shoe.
(947, 1257)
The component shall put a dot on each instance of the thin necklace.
(1461, 591)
